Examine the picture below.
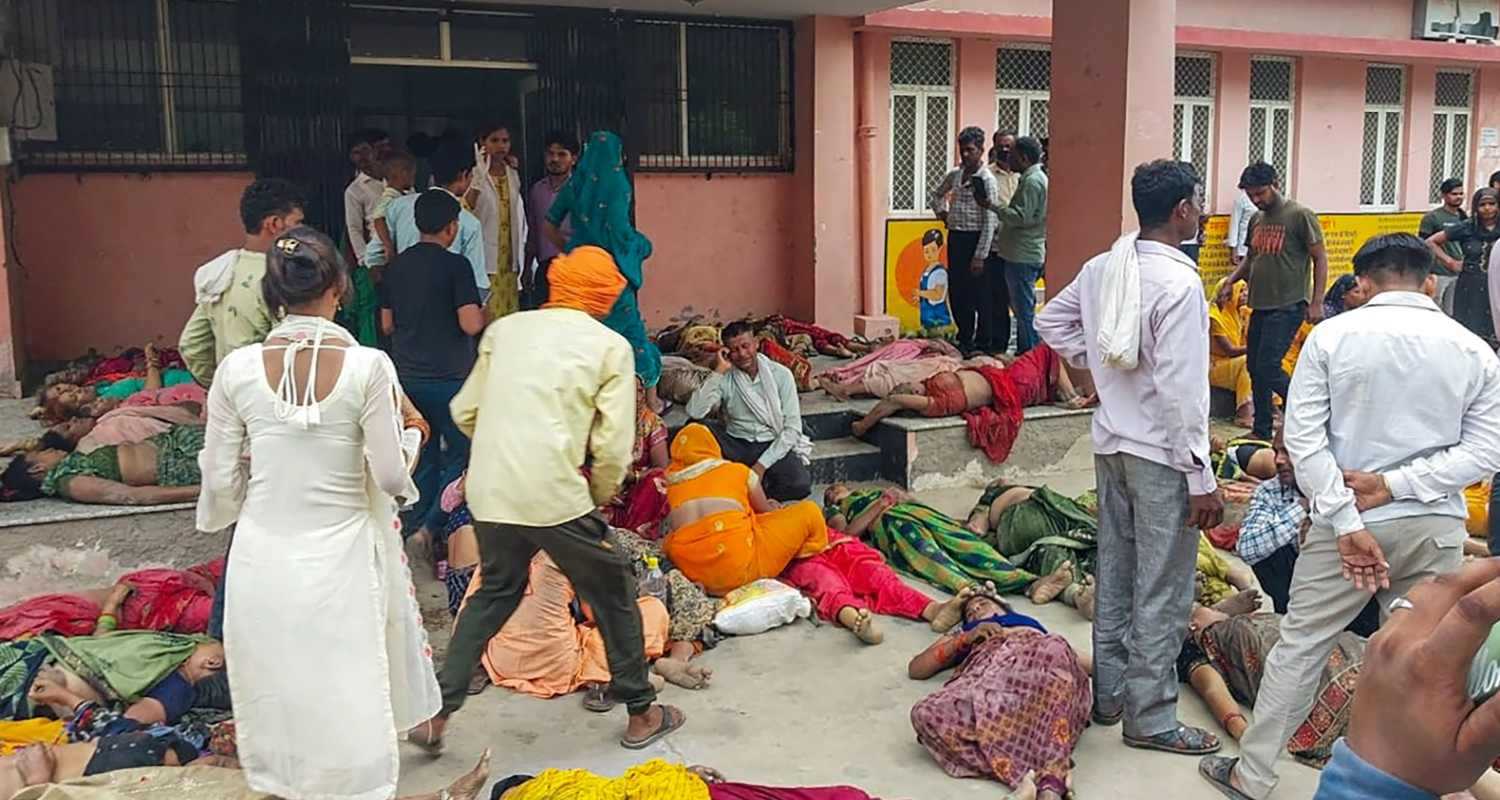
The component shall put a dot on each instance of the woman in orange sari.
(725, 533)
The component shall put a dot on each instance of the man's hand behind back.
(1205, 511)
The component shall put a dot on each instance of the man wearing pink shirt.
(1150, 438)
(561, 155)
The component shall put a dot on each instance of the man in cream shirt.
(552, 388)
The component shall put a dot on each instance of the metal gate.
(581, 74)
(295, 56)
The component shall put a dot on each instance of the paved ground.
(806, 705)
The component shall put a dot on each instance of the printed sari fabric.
(1017, 704)
(1043, 531)
(641, 504)
(934, 546)
(1238, 647)
(19, 664)
(692, 610)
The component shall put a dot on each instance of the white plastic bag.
(760, 606)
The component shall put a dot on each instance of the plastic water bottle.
(655, 583)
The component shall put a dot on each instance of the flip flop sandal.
(1216, 770)
(597, 699)
(1184, 741)
(672, 718)
(426, 740)
(478, 682)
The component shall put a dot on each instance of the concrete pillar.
(1330, 119)
(12, 354)
(827, 290)
(1232, 139)
(1112, 88)
(873, 81)
(976, 86)
(1485, 160)
(1416, 177)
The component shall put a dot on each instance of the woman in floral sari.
(1014, 708)
(925, 542)
(641, 504)
(1224, 659)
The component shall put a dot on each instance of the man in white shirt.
(762, 415)
(1151, 458)
(1238, 239)
(363, 193)
(1386, 478)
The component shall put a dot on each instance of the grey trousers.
(1444, 298)
(1322, 604)
(1145, 590)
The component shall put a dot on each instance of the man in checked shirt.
(971, 229)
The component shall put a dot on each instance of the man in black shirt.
(430, 308)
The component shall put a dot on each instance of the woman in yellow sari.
(725, 533)
(1226, 352)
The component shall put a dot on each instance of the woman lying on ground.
(63, 401)
(1224, 659)
(1015, 706)
(925, 542)
(724, 532)
(162, 469)
(901, 361)
(88, 766)
(179, 601)
(850, 582)
(657, 779)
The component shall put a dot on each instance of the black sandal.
(1218, 770)
(1106, 720)
(1184, 741)
(672, 718)
(596, 698)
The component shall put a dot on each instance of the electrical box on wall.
(1456, 20)
(28, 105)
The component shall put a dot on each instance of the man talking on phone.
(762, 416)
(1385, 477)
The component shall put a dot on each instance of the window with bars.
(1451, 115)
(921, 120)
(136, 83)
(1023, 88)
(1385, 103)
(710, 94)
(1271, 103)
(1193, 112)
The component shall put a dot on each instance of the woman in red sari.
(641, 504)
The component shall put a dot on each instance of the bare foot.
(467, 787)
(951, 612)
(1026, 789)
(833, 387)
(1045, 590)
(860, 428)
(1245, 602)
(683, 673)
(861, 623)
(1086, 602)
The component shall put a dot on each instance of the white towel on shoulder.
(212, 280)
(1120, 305)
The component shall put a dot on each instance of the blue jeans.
(1020, 281)
(444, 457)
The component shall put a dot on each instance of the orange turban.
(586, 279)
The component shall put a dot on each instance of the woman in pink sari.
(901, 361)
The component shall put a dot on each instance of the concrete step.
(920, 453)
(845, 460)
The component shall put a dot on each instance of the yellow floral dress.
(505, 296)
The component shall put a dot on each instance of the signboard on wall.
(1343, 234)
(916, 263)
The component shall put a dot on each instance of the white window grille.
(1023, 89)
(921, 120)
(1193, 112)
(1451, 115)
(1385, 103)
(1271, 95)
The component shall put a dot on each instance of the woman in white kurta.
(326, 652)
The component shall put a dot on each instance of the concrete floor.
(809, 705)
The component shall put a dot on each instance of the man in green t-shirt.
(1286, 244)
(1438, 219)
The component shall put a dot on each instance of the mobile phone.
(1484, 672)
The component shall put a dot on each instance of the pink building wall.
(1326, 157)
(1372, 18)
(107, 260)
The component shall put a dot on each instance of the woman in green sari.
(1042, 531)
(927, 543)
(596, 200)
